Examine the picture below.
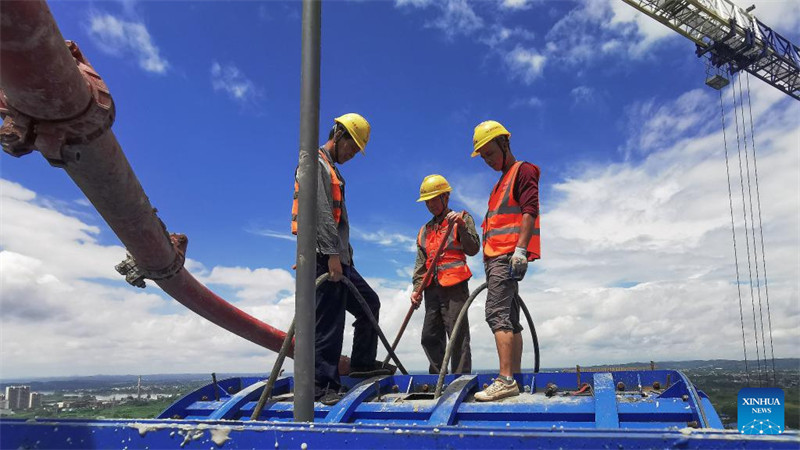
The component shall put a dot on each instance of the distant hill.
(723, 364)
(111, 381)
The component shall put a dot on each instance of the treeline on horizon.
(54, 383)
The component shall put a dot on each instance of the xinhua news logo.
(761, 411)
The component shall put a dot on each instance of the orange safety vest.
(336, 193)
(451, 268)
(503, 221)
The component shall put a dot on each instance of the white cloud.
(651, 126)
(472, 189)
(592, 32)
(503, 34)
(532, 102)
(598, 29)
(273, 234)
(455, 17)
(254, 286)
(782, 16)
(414, 3)
(64, 310)
(515, 4)
(67, 247)
(386, 239)
(229, 79)
(526, 64)
(120, 38)
(643, 31)
(583, 95)
(663, 224)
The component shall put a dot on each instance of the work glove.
(519, 263)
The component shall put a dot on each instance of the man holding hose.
(446, 290)
(510, 240)
(348, 137)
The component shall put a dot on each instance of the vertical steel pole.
(305, 310)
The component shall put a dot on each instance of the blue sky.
(609, 103)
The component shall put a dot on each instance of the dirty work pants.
(442, 305)
(502, 297)
(332, 300)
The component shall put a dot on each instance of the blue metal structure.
(408, 400)
(627, 409)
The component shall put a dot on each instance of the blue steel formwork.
(658, 408)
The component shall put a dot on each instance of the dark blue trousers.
(333, 299)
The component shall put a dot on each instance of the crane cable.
(753, 231)
(761, 232)
(733, 232)
(746, 233)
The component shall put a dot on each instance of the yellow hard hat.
(432, 186)
(357, 126)
(485, 132)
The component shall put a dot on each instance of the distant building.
(3, 402)
(18, 397)
(36, 400)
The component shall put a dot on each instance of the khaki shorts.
(502, 312)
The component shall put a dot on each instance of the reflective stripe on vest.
(451, 268)
(503, 221)
(336, 193)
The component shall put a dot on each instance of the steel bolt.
(620, 386)
(685, 397)
(395, 388)
(425, 387)
(656, 385)
(204, 398)
(693, 424)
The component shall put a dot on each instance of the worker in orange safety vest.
(510, 240)
(447, 290)
(349, 136)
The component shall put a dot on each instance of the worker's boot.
(331, 398)
(371, 371)
(497, 390)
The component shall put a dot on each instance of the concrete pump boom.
(64, 110)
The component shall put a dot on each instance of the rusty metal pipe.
(102, 172)
(57, 91)
(54, 89)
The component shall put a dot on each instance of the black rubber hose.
(457, 329)
(533, 335)
(453, 335)
(375, 324)
(276, 368)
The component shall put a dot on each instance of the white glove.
(519, 263)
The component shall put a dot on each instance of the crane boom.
(732, 37)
